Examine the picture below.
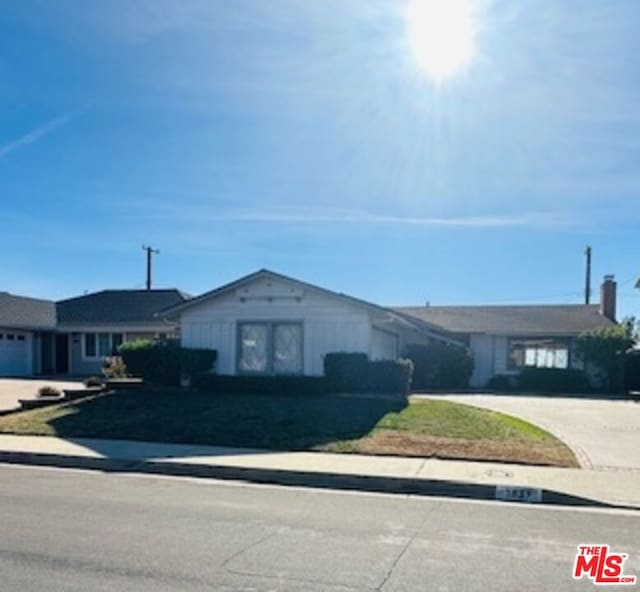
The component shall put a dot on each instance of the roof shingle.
(569, 319)
(118, 306)
(20, 312)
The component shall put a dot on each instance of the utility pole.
(587, 279)
(150, 252)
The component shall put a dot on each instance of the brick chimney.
(608, 297)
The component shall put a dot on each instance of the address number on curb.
(530, 495)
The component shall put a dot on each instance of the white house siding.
(500, 354)
(384, 345)
(482, 347)
(329, 324)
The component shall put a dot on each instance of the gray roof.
(20, 312)
(569, 319)
(138, 307)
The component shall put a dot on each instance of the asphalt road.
(78, 531)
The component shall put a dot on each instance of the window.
(20, 337)
(253, 347)
(100, 345)
(10, 336)
(538, 353)
(287, 348)
(270, 348)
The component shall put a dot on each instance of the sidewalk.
(337, 471)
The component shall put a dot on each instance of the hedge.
(439, 365)
(164, 362)
(355, 373)
(260, 385)
(551, 380)
(632, 371)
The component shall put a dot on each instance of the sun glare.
(441, 35)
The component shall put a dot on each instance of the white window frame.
(270, 325)
(539, 347)
(97, 356)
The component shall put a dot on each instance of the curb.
(290, 478)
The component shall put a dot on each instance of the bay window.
(538, 353)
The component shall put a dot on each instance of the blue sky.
(303, 137)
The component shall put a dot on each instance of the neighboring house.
(505, 339)
(22, 323)
(91, 327)
(74, 336)
(267, 323)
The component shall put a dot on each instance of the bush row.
(552, 380)
(355, 373)
(439, 365)
(164, 362)
(344, 372)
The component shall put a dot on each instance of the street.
(79, 531)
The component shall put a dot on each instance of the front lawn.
(337, 424)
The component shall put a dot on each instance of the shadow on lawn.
(205, 419)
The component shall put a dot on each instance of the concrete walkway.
(13, 389)
(314, 469)
(604, 434)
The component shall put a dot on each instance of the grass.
(337, 424)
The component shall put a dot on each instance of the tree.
(605, 348)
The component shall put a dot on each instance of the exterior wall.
(490, 353)
(78, 364)
(384, 345)
(482, 347)
(329, 325)
(81, 366)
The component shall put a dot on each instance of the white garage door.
(14, 353)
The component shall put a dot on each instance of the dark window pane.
(90, 345)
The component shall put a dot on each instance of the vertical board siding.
(329, 324)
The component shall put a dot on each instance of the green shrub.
(605, 349)
(439, 365)
(503, 383)
(260, 385)
(632, 371)
(164, 362)
(345, 370)
(195, 361)
(354, 373)
(553, 380)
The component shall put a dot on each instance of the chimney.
(608, 297)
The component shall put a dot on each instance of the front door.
(62, 353)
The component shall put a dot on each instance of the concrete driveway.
(12, 389)
(603, 434)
